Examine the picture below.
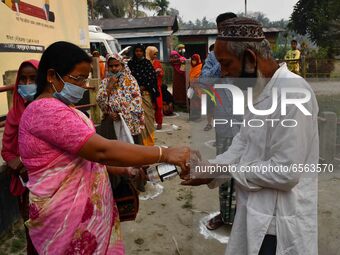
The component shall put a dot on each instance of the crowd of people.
(65, 172)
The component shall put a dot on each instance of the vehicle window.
(112, 46)
(98, 46)
(118, 46)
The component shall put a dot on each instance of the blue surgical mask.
(117, 75)
(70, 94)
(110, 74)
(28, 91)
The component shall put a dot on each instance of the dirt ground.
(170, 223)
(176, 213)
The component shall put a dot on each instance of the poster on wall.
(29, 26)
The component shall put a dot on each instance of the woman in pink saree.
(72, 210)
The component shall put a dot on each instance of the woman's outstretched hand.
(180, 156)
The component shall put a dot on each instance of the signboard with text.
(29, 26)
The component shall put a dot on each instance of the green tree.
(198, 23)
(106, 8)
(161, 7)
(264, 20)
(260, 17)
(173, 12)
(279, 24)
(205, 22)
(135, 8)
(317, 19)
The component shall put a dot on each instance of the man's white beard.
(260, 84)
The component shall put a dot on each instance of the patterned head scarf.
(116, 57)
(121, 60)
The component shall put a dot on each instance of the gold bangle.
(160, 154)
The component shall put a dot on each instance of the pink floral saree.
(72, 210)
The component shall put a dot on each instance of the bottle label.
(166, 171)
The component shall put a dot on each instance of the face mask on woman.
(70, 94)
(28, 91)
(117, 75)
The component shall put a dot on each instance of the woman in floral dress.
(119, 93)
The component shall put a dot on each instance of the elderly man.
(276, 210)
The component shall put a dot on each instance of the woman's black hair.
(62, 57)
(138, 46)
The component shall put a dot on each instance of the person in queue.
(276, 210)
(23, 94)
(102, 67)
(119, 93)
(211, 73)
(71, 208)
(195, 100)
(151, 55)
(179, 88)
(142, 69)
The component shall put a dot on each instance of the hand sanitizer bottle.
(161, 172)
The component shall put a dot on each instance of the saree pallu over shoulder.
(72, 210)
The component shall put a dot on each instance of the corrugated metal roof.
(196, 32)
(185, 32)
(273, 30)
(141, 34)
(147, 22)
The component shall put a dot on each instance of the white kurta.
(292, 198)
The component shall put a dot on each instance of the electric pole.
(245, 8)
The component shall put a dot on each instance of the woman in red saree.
(179, 89)
(72, 209)
(24, 90)
(151, 54)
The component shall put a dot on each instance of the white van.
(104, 43)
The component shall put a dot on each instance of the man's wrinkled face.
(231, 66)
